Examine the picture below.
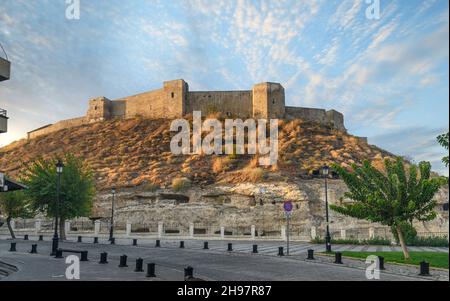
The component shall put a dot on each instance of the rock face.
(237, 207)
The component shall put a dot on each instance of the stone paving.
(216, 263)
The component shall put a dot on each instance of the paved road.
(213, 264)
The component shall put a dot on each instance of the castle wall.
(331, 117)
(233, 104)
(174, 100)
(150, 104)
(168, 102)
(63, 124)
(310, 114)
(118, 108)
(336, 119)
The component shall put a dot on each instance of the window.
(273, 101)
(172, 94)
(95, 108)
(445, 207)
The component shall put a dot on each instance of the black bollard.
(84, 256)
(59, 254)
(25, 237)
(280, 251)
(123, 261)
(113, 241)
(424, 268)
(80, 239)
(255, 248)
(41, 237)
(13, 247)
(33, 249)
(139, 263)
(181, 244)
(95, 240)
(103, 258)
(150, 270)
(205, 245)
(338, 258)
(134, 242)
(188, 272)
(230, 247)
(381, 262)
(310, 254)
(158, 243)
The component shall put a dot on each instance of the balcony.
(5, 68)
(3, 121)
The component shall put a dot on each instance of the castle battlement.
(174, 100)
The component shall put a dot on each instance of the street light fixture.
(59, 170)
(325, 172)
(111, 227)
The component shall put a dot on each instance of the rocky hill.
(132, 152)
(213, 191)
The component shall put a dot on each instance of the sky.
(388, 75)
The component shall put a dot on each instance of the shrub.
(429, 242)
(351, 241)
(221, 164)
(179, 184)
(254, 174)
(151, 187)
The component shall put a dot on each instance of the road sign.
(287, 206)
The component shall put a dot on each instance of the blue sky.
(388, 76)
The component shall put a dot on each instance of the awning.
(5, 69)
(10, 185)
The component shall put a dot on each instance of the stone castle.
(174, 100)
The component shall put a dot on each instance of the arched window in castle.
(273, 100)
(95, 108)
(172, 94)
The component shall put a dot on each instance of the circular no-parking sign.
(287, 206)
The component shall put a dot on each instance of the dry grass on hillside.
(137, 151)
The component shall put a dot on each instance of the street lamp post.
(59, 170)
(111, 227)
(325, 172)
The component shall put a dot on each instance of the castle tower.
(175, 95)
(99, 109)
(268, 100)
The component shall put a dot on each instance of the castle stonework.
(174, 100)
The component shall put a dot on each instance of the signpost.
(287, 212)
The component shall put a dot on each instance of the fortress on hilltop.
(174, 100)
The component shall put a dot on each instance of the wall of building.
(233, 104)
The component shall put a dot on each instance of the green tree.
(76, 192)
(14, 204)
(394, 197)
(443, 141)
